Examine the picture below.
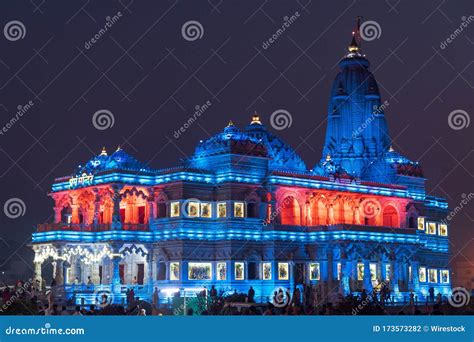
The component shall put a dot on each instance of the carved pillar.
(116, 222)
(330, 214)
(58, 269)
(75, 213)
(57, 214)
(96, 210)
(38, 272)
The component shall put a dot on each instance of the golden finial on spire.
(104, 152)
(255, 119)
(230, 124)
(391, 149)
(118, 148)
(328, 157)
(353, 47)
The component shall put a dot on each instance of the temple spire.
(354, 46)
(255, 119)
(104, 152)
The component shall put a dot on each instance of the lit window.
(239, 271)
(221, 210)
(199, 270)
(421, 223)
(267, 271)
(339, 271)
(373, 271)
(206, 210)
(444, 275)
(174, 271)
(221, 271)
(360, 271)
(238, 209)
(283, 273)
(388, 272)
(193, 209)
(431, 228)
(422, 274)
(443, 229)
(174, 209)
(432, 275)
(314, 271)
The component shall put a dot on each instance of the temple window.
(443, 229)
(239, 209)
(206, 210)
(239, 268)
(252, 210)
(221, 209)
(411, 222)
(360, 271)
(421, 223)
(199, 271)
(221, 271)
(431, 228)
(373, 271)
(174, 206)
(192, 209)
(161, 271)
(252, 270)
(267, 271)
(444, 276)
(161, 208)
(174, 270)
(314, 271)
(422, 274)
(283, 271)
(390, 216)
(432, 275)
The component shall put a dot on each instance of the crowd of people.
(29, 298)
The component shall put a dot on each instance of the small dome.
(119, 160)
(282, 156)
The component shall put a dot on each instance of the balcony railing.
(50, 227)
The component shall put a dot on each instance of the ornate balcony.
(49, 227)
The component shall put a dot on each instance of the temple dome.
(282, 156)
(119, 160)
(230, 141)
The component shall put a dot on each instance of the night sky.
(151, 79)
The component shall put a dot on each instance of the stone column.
(116, 223)
(95, 276)
(116, 273)
(367, 280)
(75, 213)
(38, 271)
(57, 214)
(58, 269)
(96, 212)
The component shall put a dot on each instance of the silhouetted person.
(251, 295)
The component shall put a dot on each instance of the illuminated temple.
(245, 210)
